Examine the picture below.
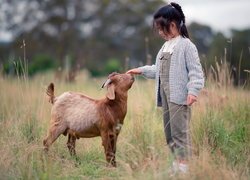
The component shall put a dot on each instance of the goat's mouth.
(133, 78)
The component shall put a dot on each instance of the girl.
(179, 78)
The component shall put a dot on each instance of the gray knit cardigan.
(185, 74)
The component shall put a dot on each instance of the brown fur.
(80, 116)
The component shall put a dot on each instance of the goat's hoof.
(44, 142)
(73, 154)
(77, 161)
(46, 150)
(111, 165)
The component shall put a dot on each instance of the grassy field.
(220, 134)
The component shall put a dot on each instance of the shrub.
(112, 65)
(40, 63)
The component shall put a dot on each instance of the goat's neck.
(119, 101)
(119, 105)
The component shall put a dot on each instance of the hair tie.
(182, 23)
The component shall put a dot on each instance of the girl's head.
(169, 21)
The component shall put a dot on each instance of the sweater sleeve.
(194, 68)
(148, 71)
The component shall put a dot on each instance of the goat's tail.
(50, 93)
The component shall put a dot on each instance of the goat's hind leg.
(54, 132)
(71, 144)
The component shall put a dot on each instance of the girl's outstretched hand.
(191, 99)
(134, 71)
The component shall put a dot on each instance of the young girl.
(179, 78)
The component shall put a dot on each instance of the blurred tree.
(94, 31)
(91, 32)
(235, 50)
(217, 48)
(202, 36)
(240, 53)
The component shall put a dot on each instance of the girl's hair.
(170, 13)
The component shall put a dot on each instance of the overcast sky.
(221, 15)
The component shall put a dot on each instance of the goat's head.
(118, 83)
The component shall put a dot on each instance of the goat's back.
(77, 111)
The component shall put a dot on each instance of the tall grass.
(220, 132)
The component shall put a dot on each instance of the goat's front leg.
(109, 142)
(71, 144)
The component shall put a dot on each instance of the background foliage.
(92, 32)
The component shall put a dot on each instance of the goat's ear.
(111, 92)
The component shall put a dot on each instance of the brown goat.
(80, 116)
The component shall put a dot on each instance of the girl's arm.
(147, 71)
(195, 73)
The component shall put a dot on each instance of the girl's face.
(173, 32)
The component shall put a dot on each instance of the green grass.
(228, 133)
(220, 133)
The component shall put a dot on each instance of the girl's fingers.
(130, 71)
(134, 71)
(191, 99)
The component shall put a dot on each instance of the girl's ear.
(111, 92)
(173, 28)
(172, 25)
